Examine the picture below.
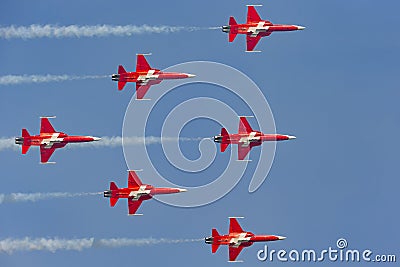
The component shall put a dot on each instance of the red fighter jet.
(48, 140)
(255, 28)
(247, 138)
(144, 76)
(136, 192)
(237, 239)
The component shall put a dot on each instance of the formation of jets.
(136, 192)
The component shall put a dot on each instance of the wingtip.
(48, 117)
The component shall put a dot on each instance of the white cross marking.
(248, 139)
(137, 194)
(257, 29)
(149, 76)
(52, 140)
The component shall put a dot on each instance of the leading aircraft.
(255, 28)
(237, 239)
(144, 76)
(136, 192)
(49, 140)
(247, 138)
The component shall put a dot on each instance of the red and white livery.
(247, 138)
(48, 140)
(145, 76)
(237, 239)
(136, 192)
(255, 28)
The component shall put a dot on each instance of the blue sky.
(333, 85)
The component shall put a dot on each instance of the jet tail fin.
(25, 146)
(224, 142)
(113, 200)
(113, 186)
(214, 233)
(233, 30)
(121, 69)
(25, 149)
(214, 246)
(25, 133)
(121, 85)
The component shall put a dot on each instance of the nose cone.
(300, 27)
(290, 137)
(182, 190)
(281, 237)
(190, 75)
(96, 138)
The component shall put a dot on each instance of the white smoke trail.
(8, 143)
(77, 31)
(19, 79)
(106, 141)
(116, 141)
(33, 197)
(11, 245)
(128, 242)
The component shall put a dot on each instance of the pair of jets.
(145, 76)
(137, 192)
(49, 139)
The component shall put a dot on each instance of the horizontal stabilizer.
(214, 247)
(25, 133)
(25, 149)
(113, 186)
(121, 85)
(113, 201)
(121, 69)
(214, 233)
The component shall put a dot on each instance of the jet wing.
(45, 126)
(252, 41)
(252, 15)
(143, 87)
(244, 126)
(133, 205)
(141, 64)
(243, 150)
(45, 153)
(133, 180)
(234, 252)
(234, 226)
